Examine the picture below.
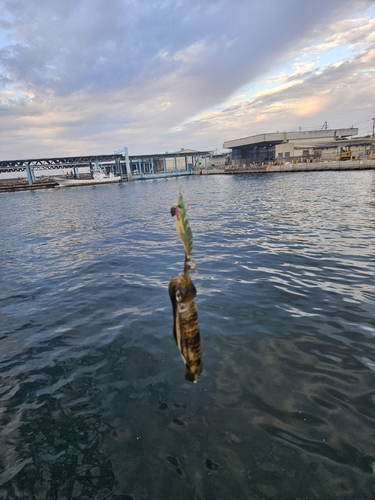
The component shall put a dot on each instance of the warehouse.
(315, 145)
(350, 149)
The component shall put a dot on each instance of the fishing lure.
(185, 324)
(184, 231)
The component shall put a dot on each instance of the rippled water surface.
(94, 404)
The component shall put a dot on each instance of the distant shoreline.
(12, 185)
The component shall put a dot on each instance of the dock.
(292, 167)
(11, 185)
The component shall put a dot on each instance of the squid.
(182, 293)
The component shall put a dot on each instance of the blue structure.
(183, 162)
(180, 162)
(30, 174)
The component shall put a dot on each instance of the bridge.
(169, 163)
(53, 163)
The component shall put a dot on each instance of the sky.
(85, 77)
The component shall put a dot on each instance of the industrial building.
(308, 146)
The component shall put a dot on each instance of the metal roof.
(274, 138)
(172, 154)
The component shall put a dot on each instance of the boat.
(98, 177)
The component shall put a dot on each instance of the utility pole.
(373, 127)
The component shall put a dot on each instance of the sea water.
(94, 404)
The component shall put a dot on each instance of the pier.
(23, 185)
(168, 164)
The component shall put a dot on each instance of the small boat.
(99, 177)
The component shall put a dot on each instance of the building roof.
(271, 139)
(172, 154)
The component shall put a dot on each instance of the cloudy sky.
(92, 76)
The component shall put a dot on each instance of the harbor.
(50, 183)
(279, 152)
(187, 194)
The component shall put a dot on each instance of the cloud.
(342, 93)
(86, 76)
(353, 32)
(278, 89)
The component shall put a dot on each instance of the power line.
(359, 123)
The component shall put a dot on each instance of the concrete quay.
(293, 167)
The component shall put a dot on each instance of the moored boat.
(99, 177)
